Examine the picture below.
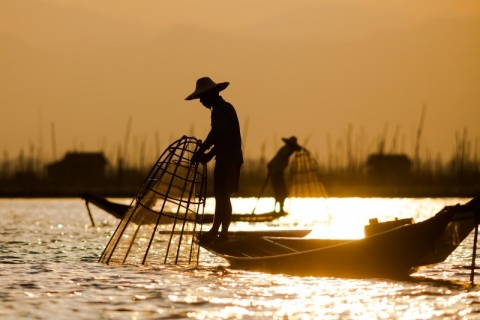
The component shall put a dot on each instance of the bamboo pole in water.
(474, 253)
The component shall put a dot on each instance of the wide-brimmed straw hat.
(292, 142)
(206, 84)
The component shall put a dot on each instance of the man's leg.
(281, 203)
(224, 207)
(226, 179)
(221, 209)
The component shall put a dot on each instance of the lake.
(49, 255)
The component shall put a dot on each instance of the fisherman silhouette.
(276, 170)
(225, 143)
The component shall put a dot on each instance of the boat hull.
(118, 210)
(396, 253)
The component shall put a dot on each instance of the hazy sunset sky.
(77, 75)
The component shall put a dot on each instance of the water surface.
(49, 270)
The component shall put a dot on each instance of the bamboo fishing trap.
(161, 224)
(304, 176)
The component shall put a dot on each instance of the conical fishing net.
(304, 176)
(160, 226)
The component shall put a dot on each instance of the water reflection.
(339, 218)
(49, 254)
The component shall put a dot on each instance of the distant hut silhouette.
(78, 167)
(388, 167)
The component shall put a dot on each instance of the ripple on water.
(49, 254)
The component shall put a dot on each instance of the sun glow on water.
(51, 271)
(332, 218)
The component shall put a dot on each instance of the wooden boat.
(118, 210)
(394, 249)
(289, 233)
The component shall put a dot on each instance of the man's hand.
(208, 156)
(198, 157)
(202, 157)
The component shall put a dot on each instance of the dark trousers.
(226, 178)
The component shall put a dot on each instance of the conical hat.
(206, 84)
(292, 142)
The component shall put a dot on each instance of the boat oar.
(474, 254)
(261, 192)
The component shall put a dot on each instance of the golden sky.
(77, 75)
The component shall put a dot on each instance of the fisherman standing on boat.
(225, 143)
(276, 170)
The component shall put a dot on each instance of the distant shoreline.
(335, 191)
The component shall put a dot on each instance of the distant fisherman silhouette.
(225, 142)
(276, 170)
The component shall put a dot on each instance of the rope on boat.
(162, 222)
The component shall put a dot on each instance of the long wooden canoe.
(118, 210)
(393, 253)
